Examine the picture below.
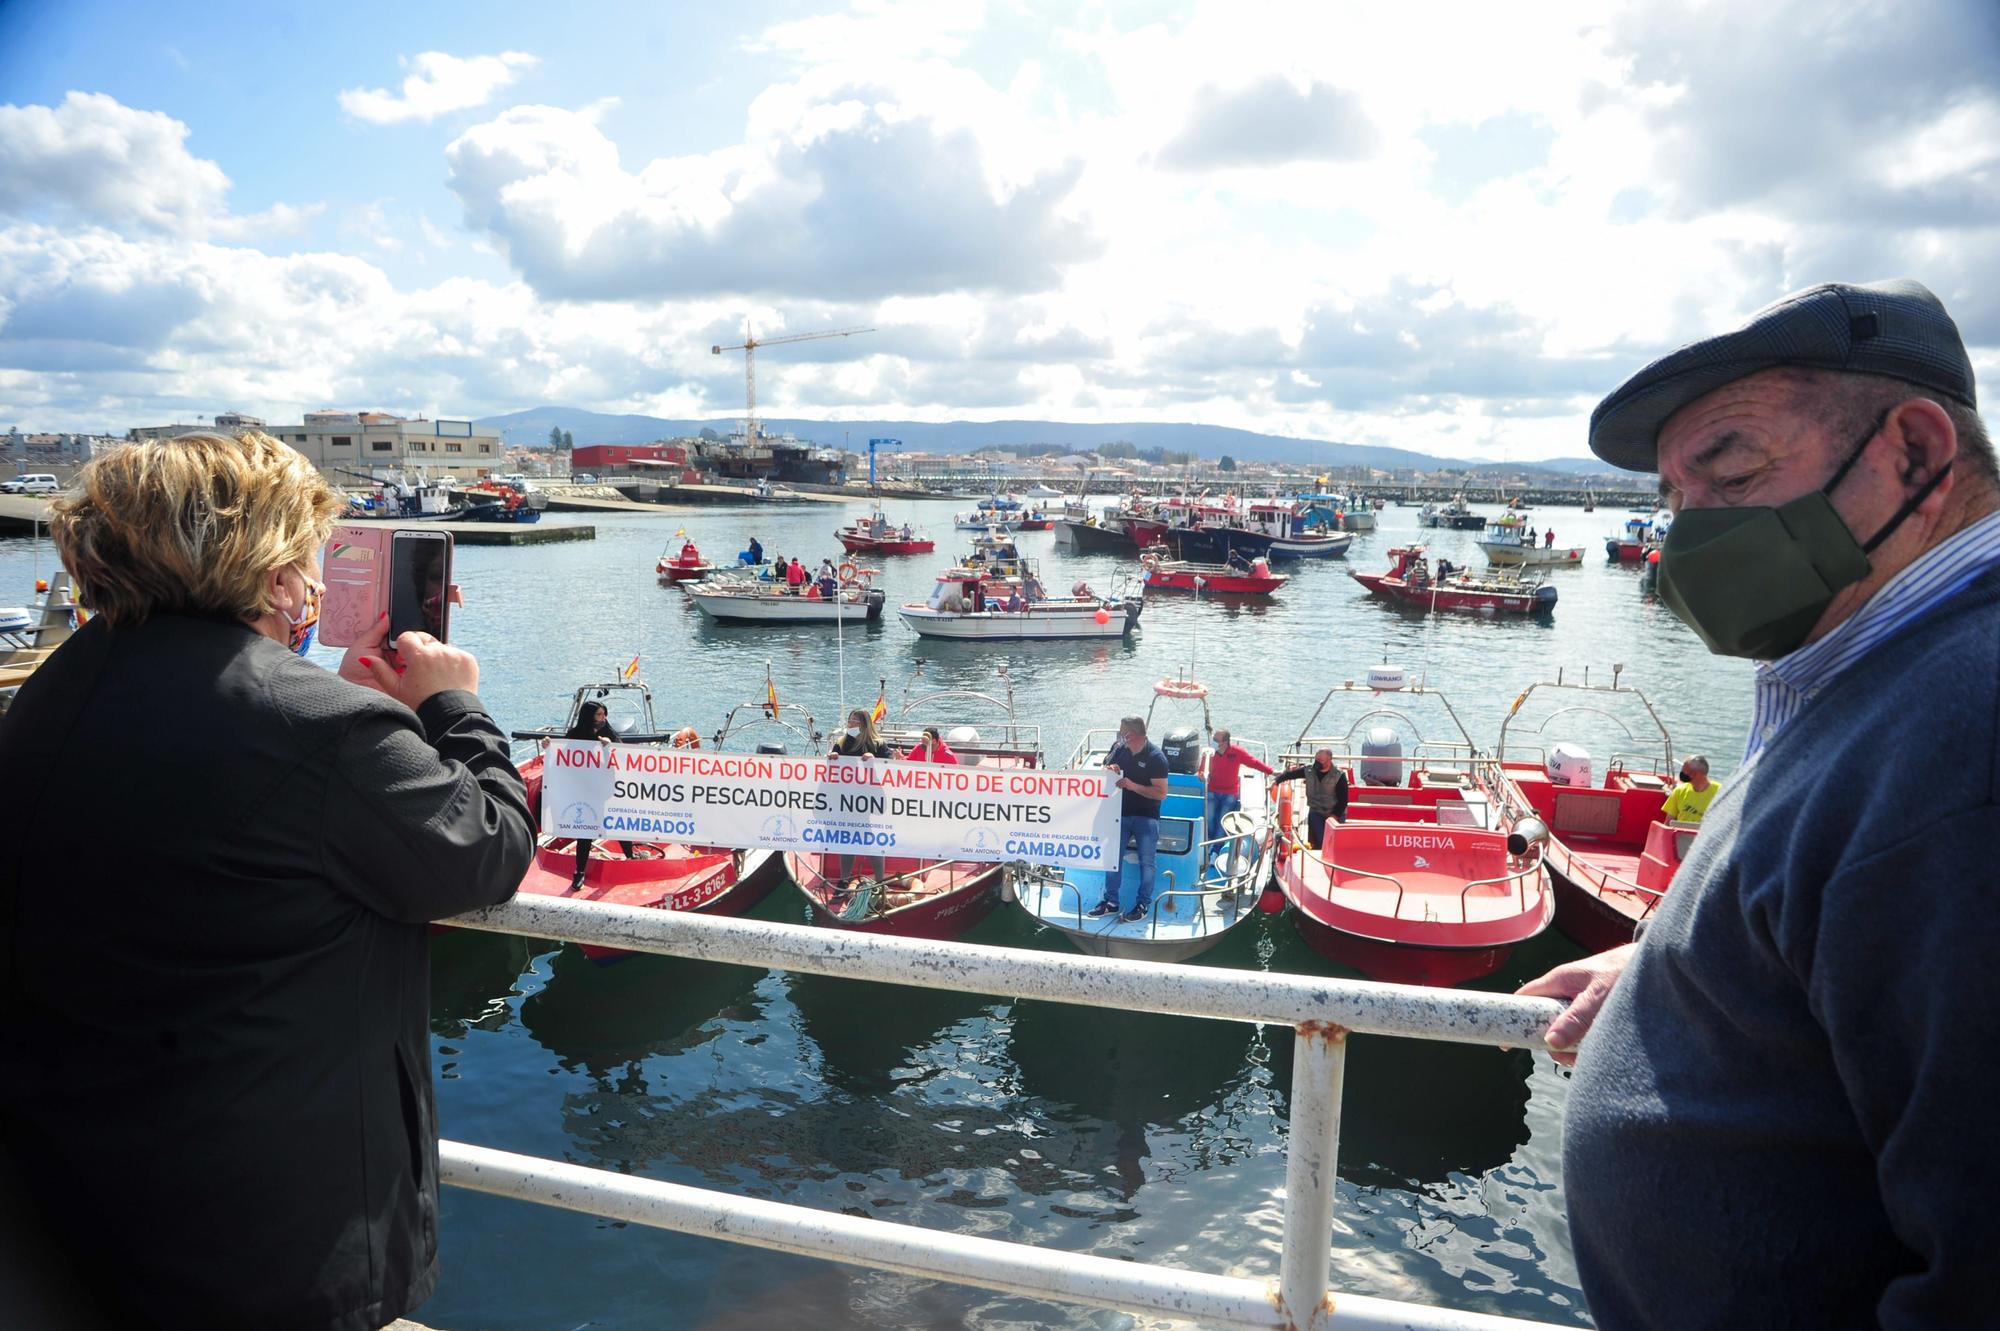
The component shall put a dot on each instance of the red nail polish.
(366, 661)
(379, 618)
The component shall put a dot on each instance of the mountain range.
(532, 426)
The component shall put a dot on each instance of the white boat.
(1200, 890)
(1515, 544)
(1041, 492)
(752, 603)
(1039, 620)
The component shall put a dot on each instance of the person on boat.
(218, 1110)
(1326, 793)
(592, 722)
(827, 572)
(776, 572)
(1237, 561)
(1548, 538)
(1688, 801)
(860, 741)
(795, 576)
(754, 555)
(1014, 604)
(931, 748)
(1032, 590)
(1226, 762)
(1142, 777)
(1796, 1023)
(909, 532)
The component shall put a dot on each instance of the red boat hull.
(684, 572)
(1445, 598)
(868, 545)
(709, 882)
(1609, 857)
(1394, 963)
(1037, 524)
(1594, 923)
(964, 894)
(1216, 584)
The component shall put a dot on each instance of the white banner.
(843, 806)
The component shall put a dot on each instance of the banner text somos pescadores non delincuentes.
(837, 805)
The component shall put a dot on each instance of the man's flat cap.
(1895, 328)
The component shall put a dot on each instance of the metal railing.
(1322, 1012)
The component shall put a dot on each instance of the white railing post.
(1319, 1065)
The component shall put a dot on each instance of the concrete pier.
(23, 512)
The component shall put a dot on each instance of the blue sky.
(1450, 229)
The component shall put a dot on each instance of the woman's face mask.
(854, 732)
(305, 625)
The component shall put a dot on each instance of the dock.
(676, 492)
(23, 512)
(502, 533)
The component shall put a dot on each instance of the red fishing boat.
(1609, 853)
(876, 535)
(1177, 575)
(657, 874)
(915, 898)
(1430, 880)
(686, 565)
(1410, 581)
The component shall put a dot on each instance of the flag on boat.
(770, 697)
(681, 532)
(881, 709)
(631, 669)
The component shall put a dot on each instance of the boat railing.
(1322, 1011)
(1519, 878)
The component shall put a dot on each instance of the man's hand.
(1585, 984)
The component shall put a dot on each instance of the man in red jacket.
(1225, 779)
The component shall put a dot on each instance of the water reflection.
(607, 1019)
(473, 975)
(873, 1038)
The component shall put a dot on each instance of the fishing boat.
(1456, 515)
(1253, 578)
(1511, 542)
(1091, 533)
(1201, 889)
(1348, 512)
(994, 593)
(924, 898)
(1611, 855)
(749, 601)
(1431, 879)
(684, 565)
(1271, 528)
(30, 634)
(662, 875)
(1411, 582)
(1002, 511)
(876, 535)
(402, 498)
(1645, 530)
(497, 501)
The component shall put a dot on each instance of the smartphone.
(357, 587)
(420, 584)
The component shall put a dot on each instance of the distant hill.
(1211, 441)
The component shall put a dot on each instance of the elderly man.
(1688, 801)
(1768, 1122)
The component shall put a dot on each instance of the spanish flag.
(681, 532)
(770, 697)
(881, 709)
(631, 669)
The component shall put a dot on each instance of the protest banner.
(838, 805)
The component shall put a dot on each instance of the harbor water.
(1124, 1135)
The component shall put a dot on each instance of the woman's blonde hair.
(192, 525)
(868, 735)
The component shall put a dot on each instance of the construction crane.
(748, 346)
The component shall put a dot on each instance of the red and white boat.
(1410, 581)
(1178, 575)
(876, 535)
(916, 898)
(1431, 880)
(658, 874)
(685, 565)
(1609, 852)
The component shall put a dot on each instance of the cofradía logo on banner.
(844, 805)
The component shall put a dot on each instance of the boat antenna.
(840, 651)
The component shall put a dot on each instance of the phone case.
(356, 568)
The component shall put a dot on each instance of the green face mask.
(1753, 581)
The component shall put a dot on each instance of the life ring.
(1284, 823)
(847, 571)
(1149, 561)
(1181, 688)
(687, 737)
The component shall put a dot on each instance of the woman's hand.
(429, 667)
(354, 664)
(1585, 984)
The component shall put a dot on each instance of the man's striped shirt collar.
(1785, 686)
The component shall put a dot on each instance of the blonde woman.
(860, 741)
(217, 1102)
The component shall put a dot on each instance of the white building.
(354, 447)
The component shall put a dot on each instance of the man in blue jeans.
(1142, 776)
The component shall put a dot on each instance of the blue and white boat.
(1201, 890)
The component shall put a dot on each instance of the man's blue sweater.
(1784, 1115)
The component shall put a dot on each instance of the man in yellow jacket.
(1689, 800)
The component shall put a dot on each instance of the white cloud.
(96, 158)
(1270, 122)
(438, 84)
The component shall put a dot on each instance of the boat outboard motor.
(1569, 764)
(771, 746)
(1182, 745)
(1381, 758)
(1528, 832)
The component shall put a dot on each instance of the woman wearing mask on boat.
(218, 1110)
(860, 741)
(592, 723)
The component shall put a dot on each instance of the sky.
(1449, 226)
